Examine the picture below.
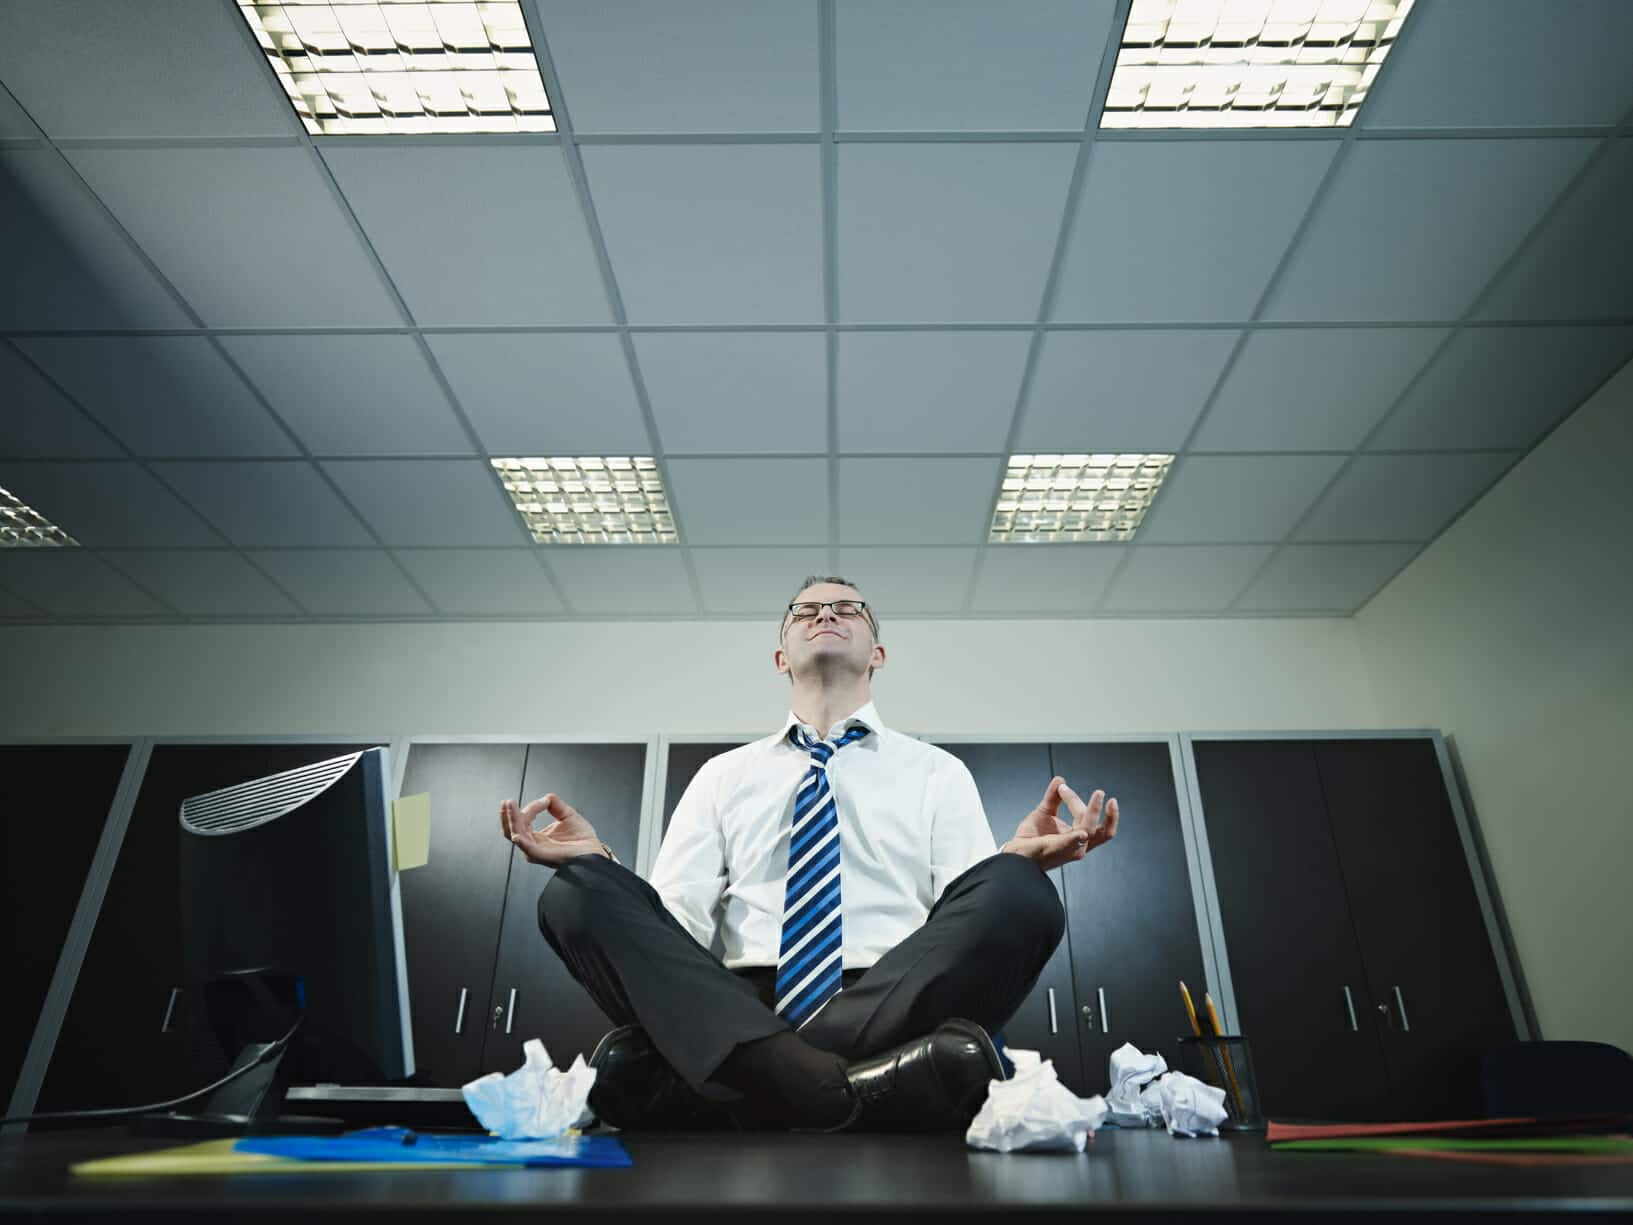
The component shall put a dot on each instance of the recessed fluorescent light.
(590, 499)
(388, 66)
(1048, 498)
(1249, 63)
(23, 527)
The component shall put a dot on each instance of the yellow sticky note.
(411, 831)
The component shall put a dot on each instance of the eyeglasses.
(806, 610)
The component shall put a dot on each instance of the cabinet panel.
(1288, 933)
(1011, 779)
(604, 782)
(114, 1048)
(452, 906)
(1129, 906)
(1423, 940)
(54, 801)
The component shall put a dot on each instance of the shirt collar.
(864, 714)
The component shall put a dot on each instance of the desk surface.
(846, 1176)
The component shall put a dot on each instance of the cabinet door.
(685, 760)
(533, 994)
(54, 801)
(1429, 962)
(1129, 906)
(131, 1035)
(1011, 779)
(1288, 932)
(452, 906)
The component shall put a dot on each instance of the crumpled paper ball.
(1033, 1112)
(536, 1100)
(1187, 1105)
(1126, 1100)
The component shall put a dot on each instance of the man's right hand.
(567, 836)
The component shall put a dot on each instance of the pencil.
(1219, 1032)
(1196, 1028)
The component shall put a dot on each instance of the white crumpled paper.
(535, 1101)
(1131, 1069)
(1033, 1112)
(1181, 1103)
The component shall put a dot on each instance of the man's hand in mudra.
(566, 835)
(1049, 842)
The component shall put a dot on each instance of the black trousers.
(976, 956)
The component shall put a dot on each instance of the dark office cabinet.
(54, 802)
(1011, 779)
(453, 905)
(1341, 879)
(131, 1035)
(1295, 963)
(533, 995)
(1130, 912)
(685, 760)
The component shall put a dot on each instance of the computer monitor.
(291, 912)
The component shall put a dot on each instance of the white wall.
(1513, 633)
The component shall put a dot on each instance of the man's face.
(828, 642)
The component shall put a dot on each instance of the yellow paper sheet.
(218, 1157)
(411, 831)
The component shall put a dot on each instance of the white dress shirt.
(910, 821)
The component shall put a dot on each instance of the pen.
(1219, 1032)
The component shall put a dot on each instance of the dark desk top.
(846, 1176)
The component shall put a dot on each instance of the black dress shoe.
(636, 1090)
(932, 1084)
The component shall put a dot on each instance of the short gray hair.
(811, 580)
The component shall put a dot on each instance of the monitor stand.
(249, 1105)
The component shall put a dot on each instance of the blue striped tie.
(811, 959)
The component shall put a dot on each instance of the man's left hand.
(1049, 842)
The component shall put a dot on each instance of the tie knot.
(822, 750)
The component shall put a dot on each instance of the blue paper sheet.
(402, 1144)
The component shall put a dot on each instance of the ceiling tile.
(1184, 230)
(705, 66)
(1063, 578)
(1313, 389)
(1121, 391)
(1335, 578)
(344, 582)
(1185, 578)
(416, 502)
(107, 505)
(750, 392)
(643, 579)
(267, 505)
(711, 233)
(207, 583)
(39, 421)
(916, 501)
(1581, 264)
(565, 393)
(482, 582)
(352, 394)
(511, 246)
(12, 608)
(928, 391)
(967, 65)
(1507, 64)
(259, 217)
(1504, 387)
(67, 265)
(1403, 497)
(1213, 499)
(14, 121)
(159, 69)
(1414, 229)
(754, 580)
(162, 395)
(908, 581)
(73, 583)
(948, 232)
(750, 501)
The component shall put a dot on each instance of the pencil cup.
(1226, 1063)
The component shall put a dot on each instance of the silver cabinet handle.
(459, 1021)
(1054, 1021)
(1400, 1003)
(1349, 1002)
(511, 1011)
(1105, 1017)
(164, 1025)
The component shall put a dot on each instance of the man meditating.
(873, 935)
